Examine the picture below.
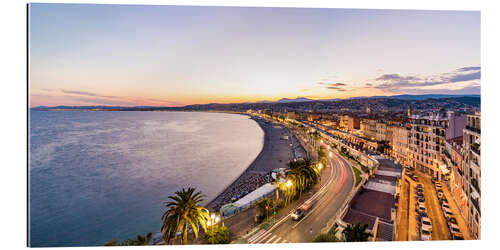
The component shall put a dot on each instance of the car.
(421, 200)
(445, 205)
(425, 235)
(447, 212)
(457, 236)
(440, 195)
(422, 208)
(298, 214)
(301, 211)
(454, 228)
(452, 220)
(426, 224)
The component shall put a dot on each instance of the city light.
(331, 154)
(288, 184)
(320, 166)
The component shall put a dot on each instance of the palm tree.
(182, 212)
(277, 182)
(356, 232)
(264, 205)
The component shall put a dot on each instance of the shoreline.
(275, 153)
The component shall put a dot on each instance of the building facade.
(426, 142)
(369, 128)
(472, 172)
(400, 144)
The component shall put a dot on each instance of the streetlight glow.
(288, 183)
(320, 166)
(212, 216)
(331, 154)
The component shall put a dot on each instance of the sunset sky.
(130, 55)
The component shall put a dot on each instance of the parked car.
(457, 236)
(454, 228)
(447, 212)
(425, 235)
(426, 224)
(452, 220)
(440, 195)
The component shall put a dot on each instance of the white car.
(426, 224)
(425, 235)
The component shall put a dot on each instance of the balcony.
(475, 185)
(476, 148)
(476, 205)
(473, 129)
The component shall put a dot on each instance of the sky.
(133, 55)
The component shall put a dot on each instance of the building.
(349, 123)
(290, 115)
(453, 157)
(369, 128)
(381, 134)
(426, 142)
(456, 124)
(472, 172)
(400, 144)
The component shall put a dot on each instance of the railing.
(477, 130)
(476, 185)
(476, 204)
(475, 147)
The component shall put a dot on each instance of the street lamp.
(212, 222)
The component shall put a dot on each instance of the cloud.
(396, 77)
(465, 77)
(469, 68)
(336, 88)
(337, 84)
(397, 82)
(78, 92)
(368, 84)
(99, 101)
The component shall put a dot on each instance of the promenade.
(275, 153)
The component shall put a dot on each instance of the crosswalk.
(264, 237)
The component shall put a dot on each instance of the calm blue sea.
(95, 176)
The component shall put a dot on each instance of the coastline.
(275, 153)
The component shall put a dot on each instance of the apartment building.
(453, 158)
(349, 123)
(426, 142)
(400, 144)
(381, 134)
(369, 128)
(472, 172)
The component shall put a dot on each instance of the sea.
(95, 176)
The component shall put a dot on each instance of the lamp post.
(212, 219)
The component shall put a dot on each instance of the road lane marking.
(277, 240)
(270, 239)
(256, 235)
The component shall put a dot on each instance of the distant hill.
(298, 99)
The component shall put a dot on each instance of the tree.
(184, 211)
(356, 232)
(331, 236)
(138, 241)
(265, 206)
(220, 235)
